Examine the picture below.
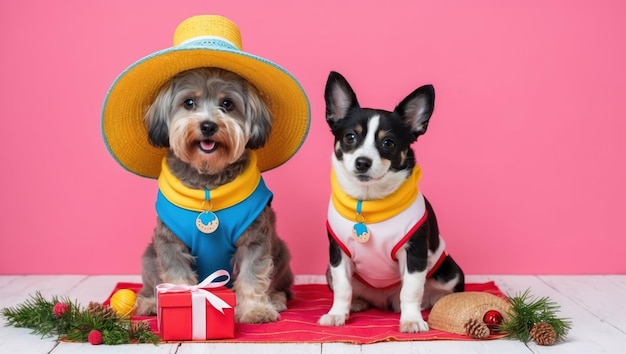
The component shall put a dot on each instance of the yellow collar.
(373, 211)
(219, 198)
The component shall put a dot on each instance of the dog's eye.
(228, 105)
(388, 144)
(189, 104)
(349, 138)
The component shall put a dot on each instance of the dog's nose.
(362, 164)
(208, 128)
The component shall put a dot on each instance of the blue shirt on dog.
(213, 251)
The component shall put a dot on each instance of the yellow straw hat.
(201, 41)
(453, 311)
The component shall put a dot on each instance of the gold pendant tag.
(207, 222)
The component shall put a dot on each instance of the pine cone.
(476, 329)
(97, 309)
(139, 327)
(543, 334)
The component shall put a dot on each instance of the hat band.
(210, 41)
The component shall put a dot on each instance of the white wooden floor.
(595, 304)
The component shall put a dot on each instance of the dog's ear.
(156, 118)
(259, 119)
(339, 98)
(417, 108)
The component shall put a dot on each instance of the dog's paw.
(256, 313)
(359, 305)
(146, 306)
(279, 301)
(413, 326)
(332, 320)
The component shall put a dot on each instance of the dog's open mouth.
(207, 146)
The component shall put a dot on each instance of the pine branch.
(37, 314)
(527, 310)
(74, 324)
(146, 336)
(79, 329)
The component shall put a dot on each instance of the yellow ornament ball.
(123, 303)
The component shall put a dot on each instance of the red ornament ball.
(95, 337)
(493, 319)
(60, 309)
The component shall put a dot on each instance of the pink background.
(524, 160)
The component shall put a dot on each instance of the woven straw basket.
(453, 311)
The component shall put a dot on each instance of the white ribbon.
(198, 297)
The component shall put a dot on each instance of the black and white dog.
(385, 247)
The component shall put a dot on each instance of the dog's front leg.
(253, 270)
(341, 271)
(252, 281)
(175, 262)
(411, 295)
(165, 260)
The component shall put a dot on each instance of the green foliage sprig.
(527, 310)
(75, 323)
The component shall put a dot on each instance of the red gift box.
(199, 312)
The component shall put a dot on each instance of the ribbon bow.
(213, 299)
(198, 297)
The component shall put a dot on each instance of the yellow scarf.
(373, 211)
(220, 198)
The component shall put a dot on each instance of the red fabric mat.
(298, 324)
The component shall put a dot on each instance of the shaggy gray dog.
(212, 120)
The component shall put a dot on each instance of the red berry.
(95, 337)
(60, 309)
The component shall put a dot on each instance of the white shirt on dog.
(375, 261)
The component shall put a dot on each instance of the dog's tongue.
(207, 145)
